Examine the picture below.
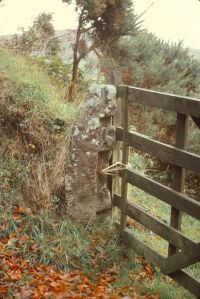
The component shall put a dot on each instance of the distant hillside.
(195, 53)
(66, 38)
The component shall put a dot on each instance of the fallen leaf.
(3, 290)
(4, 227)
(114, 270)
(22, 210)
(149, 269)
(16, 217)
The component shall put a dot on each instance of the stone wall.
(92, 141)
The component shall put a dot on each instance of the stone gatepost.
(92, 141)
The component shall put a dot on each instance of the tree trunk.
(73, 82)
(76, 60)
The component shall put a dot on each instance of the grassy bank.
(34, 130)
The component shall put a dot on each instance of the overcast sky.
(172, 20)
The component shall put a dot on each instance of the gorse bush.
(152, 63)
(148, 62)
(59, 71)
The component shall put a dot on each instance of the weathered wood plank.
(165, 231)
(182, 259)
(196, 121)
(164, 152)
(179, 173)
(187, 281)
(124, 187)
(116, 156)
(142, 249)
(166, 194)
(179, 104)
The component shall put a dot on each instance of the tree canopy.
(100, 23)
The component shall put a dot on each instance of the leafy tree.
(100, 23)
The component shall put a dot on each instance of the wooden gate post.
(113, 182)
(179, 175)
(124, 187)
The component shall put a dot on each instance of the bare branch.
(90, 49)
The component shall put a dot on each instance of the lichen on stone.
(86, 188)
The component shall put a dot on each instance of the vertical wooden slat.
(124, 187)
(113, 183)
(179, 174)
(116, 157)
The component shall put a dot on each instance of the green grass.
(28, 83)
(166, 287)
(63, 244)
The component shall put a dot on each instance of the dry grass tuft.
(34, 136)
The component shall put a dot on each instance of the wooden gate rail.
(183, 251)
(160, 228)
(164, 152)
(165, 101)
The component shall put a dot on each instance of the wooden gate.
(183, 251)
